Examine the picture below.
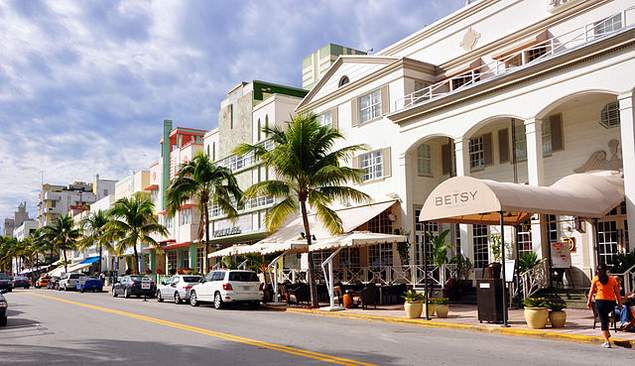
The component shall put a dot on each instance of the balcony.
(521, 58)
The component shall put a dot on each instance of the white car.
(177, 288)
(228, 286)
(68, 281)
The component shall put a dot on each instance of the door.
(612, 235)
(204, 294)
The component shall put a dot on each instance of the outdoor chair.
(369, 296)
(299, 293)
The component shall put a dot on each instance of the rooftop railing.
(522, 58)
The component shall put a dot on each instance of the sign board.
(560, 254)
(146, 283)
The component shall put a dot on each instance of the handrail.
(546, 49)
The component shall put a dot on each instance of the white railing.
(535, 278)
(520, 59)
(387, 275)
(628, 279)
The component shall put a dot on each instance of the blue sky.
(86, 84)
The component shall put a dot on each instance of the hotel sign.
(234, 230)
(456, 198)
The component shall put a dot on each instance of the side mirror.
(202, 280)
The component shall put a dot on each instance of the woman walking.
(606, 290)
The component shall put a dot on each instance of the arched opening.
(343, 81)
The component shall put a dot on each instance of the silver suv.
(177, 288)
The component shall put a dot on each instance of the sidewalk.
(464, 317)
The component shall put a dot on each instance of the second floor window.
(610, 115)
(372, 163)
(370, 106)
(325, 118)
(424, 160)
(186, 216)
(477, 153)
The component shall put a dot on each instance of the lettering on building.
(454, 199)
(234, 230)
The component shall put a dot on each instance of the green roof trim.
(262, 88)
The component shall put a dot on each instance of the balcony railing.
(521, 59)
(240, 162)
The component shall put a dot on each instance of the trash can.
(489, 300)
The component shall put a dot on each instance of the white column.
(627, 129)
(405, 177)
(535, 173)
(462, 164)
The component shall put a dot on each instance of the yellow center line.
(224, 336)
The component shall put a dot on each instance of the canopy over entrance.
(357, 239)
(479, 201)
(227, 252)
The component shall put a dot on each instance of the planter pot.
(557, 319)
(431, 310)
(536, 318)
(442, 310)
(413, 309)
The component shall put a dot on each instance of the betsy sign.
(455, 198)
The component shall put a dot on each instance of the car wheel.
(218, 301)
(125, 293)
(193, 299)
(82, 290)
(114, 293)
(177, 298)
(159, 297)
(254, 305)
(3, 321)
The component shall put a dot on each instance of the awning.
(357, 239)
(57, 271)
(77, 267)
(184, 244)
(478, 201)
(227, 252)
(151, 187)
(536, 39)
(90, 260)
(459, 70)
(288, 248)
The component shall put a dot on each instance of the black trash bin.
(489, 300)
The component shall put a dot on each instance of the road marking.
(224, 336)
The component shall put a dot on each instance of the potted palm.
(536, 312)
(441, 306)
(413, 304)
(557, 315)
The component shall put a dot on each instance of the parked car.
(87, 283)
(5, 282)
(43, 281)
(53, 283)
(68, 281)
(177, 288)
(3, 309)
(228, 286)
(134, 285)
(21, 281)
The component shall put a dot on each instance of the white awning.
(357, 239)
(288, 247)
(478, 201)
(57, 271)
(227, 252)
(77, 267)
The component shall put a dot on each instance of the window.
(243, 277)
(523, 238)
(349, 257)
(552, 228)
(325, 118)
(318, 258)
(547, 146)
(185, 216)
(480, 235)
(520, 147)
(185, 259)
(535, 52)
(200, 258)
(168, 223)
(607, 241)
(608, 25)
(610, 115)
(372, 163)
(381, 223)
(343, 81)
(457, 239)
(468, 78)
(171, 261)
(424, 160)
(370, 106)
(477, 152)
(422, 231)
(380, 255)
(218, 276)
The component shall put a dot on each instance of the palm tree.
(94, 233)
(309, 171)
(132, 222)
(63, 235)
(8, 250)
(206, 183)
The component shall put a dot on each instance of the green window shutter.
(503, 145)
(557, 142)
(385, 99)
(354, 112)
(387, 162)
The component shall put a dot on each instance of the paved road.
(50, 328)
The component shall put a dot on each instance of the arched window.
(343, 81)
(610, 115)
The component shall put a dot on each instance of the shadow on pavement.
(109, 352)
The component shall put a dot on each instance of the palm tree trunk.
(100, 248)
(205, 259)
(136, 258)
(65, 264)
(310, 276)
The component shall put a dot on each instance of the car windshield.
(243, 277)
(191, 278)
(4, 277)
(136, 278)
(74, 276)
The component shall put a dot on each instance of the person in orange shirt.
(606, 290)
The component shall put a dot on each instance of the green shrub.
(412, 296)
(527, 261)
(439, 300)
(535, 302)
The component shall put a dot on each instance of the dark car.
(3, 309)
(21, 281)
(53, 283)
(6, 283)
(93, 284)
(134, 285)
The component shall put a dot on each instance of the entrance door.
(612, 235)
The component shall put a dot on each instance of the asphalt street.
(69, 328)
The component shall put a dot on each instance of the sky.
(85, 85)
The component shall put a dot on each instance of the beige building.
(315, 65)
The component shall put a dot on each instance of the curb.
(534, 333)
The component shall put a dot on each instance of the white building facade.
(524, 91)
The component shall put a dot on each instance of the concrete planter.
(413, 309)
(431, 310)
(557, 319)
(442, 310)
(536, 318)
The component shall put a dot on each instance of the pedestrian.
(606, 291)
